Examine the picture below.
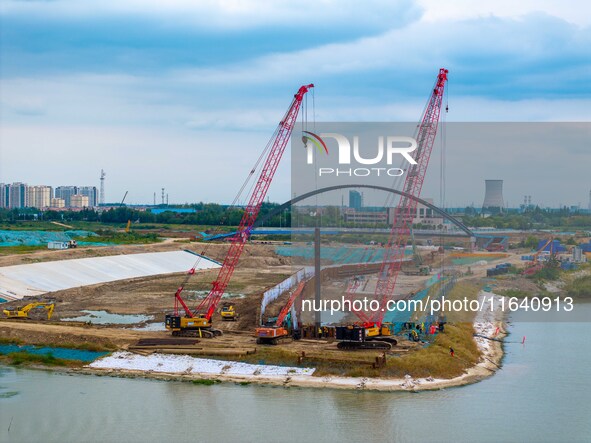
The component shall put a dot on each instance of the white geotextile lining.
(38, 278)
(184, 364)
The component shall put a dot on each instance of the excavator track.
(363, 345)
(205, 333)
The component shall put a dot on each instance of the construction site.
(240, 297)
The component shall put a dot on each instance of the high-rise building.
(355, 200)
(39, 196)
(58, 203)
(92, 194)
(78, 201)
(493, 196)
(17, 195)
(66, 192)
(4, 195)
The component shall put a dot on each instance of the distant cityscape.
(21, 195)
(44, 197)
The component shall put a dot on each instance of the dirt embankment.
(259, 269)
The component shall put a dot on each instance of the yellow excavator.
(228, 313)
(23, 312)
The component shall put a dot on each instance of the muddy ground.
(259, 269)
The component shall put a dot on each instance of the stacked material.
(183, 364)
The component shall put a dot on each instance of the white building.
(39, 196)
(79, 201)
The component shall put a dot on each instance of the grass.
(121, 238)
(94, 347)
(547, 273)
(20, 249)
(433, 360)
(579, 287)
(206, 382)
(24, 358)
(517, 293)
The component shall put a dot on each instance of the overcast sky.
(184, 94)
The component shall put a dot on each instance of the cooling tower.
(493, 197)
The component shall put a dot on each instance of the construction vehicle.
(69, 244)
(198, 322)
(23, 312)
(535, 265)
(366, 336)
(276, 329)
(406, 210)
(228, 313)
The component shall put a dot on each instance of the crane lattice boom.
(407, 207)
(278, 143)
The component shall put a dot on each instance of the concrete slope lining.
(37, 278)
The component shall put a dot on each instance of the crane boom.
(277, 145)
(295, 294)
(407, 207)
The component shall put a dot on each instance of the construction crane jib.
(276, 145)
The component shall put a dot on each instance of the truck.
(69, 244)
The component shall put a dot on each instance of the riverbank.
(184, 368)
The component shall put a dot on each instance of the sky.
(184, 94)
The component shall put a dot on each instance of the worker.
(451, 351)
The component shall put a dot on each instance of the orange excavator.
(271, 334)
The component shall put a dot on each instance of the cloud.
(215, 15)
(572, 11)
(205, 83)
(489, 57)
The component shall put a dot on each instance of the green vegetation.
(26, 358)
(121, 238)
(206, 382)
(20, 249)
(204, 214)
(517, 293)
(94, 347)
(534, 218)
(531, 242)
(547, 273)
(579, 287)
(435, 359)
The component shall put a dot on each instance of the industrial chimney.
(493, 197)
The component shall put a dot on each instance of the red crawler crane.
(407, 207)
(406, 210)
(198, 321)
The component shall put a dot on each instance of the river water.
(542, 393)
